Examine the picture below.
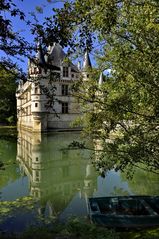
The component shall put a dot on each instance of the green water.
(60, 180)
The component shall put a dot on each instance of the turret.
(87, 66)
(79, 65)
(100, 82)
(87, 62)
(35, 65)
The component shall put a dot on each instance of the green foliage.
(121, 115)
(7, 97)
(82, 229)
(141, 234)
(74, 229)
(8, 141)
(12, 44)
(8, 208)
(77, 229)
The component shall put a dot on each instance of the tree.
(7, 97)
(12, 44)
(122, 115)
(14, 47)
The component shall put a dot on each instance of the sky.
(28, 6)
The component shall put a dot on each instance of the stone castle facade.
(44, 101)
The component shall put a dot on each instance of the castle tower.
(47, 102)
(87, 62)
(87, 66)
(38, 110)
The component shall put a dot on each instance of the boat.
(125, 211)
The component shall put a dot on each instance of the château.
(45, 100)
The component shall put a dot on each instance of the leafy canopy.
(122, 115)
(7, 96)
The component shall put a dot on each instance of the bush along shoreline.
(80, 229)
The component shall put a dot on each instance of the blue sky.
(28, 6)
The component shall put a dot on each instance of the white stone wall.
(31, 104)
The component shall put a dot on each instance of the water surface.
(60, 180)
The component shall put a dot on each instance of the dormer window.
(65, 71)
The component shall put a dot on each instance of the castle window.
(39, 70)
(64, 90)
(35, 70)
(36, 104)
(36, 90)
(37, 173)
(37, 179)
(72, 75)
(64, 108)
(65, 71)
(36, 193)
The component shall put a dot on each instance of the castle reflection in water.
(57, 177)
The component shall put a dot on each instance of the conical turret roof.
(56, 54)
(100, 82)
(87, 62)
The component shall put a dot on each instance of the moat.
(60, 180)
